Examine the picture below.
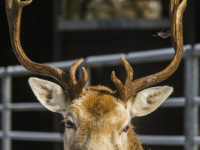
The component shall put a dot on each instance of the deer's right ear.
(49, 94)
(148, 100)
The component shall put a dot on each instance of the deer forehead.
(98, 108)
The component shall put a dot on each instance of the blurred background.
(60, 30)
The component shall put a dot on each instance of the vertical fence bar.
(191, 91)
(6, 113)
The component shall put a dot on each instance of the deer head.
(97, 117)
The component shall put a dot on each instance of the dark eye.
(69, 124)
(125, 129)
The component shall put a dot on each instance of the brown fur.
(49, 94)
(133, 143)
(150, 97)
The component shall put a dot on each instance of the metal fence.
(191, 101)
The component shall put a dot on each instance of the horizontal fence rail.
(7, 106)
(36, 136)
(113, 24)
(163, 140)
(170, 102)
(108, 60)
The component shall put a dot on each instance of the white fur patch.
(148, 100)
(49, 94)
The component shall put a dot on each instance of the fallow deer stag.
(97, 117)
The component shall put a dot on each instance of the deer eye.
(69, 124)
(125, 129)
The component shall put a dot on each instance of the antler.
(71, 85)
(125, 92)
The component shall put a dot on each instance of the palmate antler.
(125, 92)
(71, 85)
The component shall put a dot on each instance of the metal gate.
(190, 102)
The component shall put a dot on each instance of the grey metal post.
(191, 91)
(6, 112)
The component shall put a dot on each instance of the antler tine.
(72, 71)
(123, 89)
(129, 71)
(131, 87)
(72, 87)
(118, 84)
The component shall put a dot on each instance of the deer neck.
(132, 141)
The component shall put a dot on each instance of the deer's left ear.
(148, 100)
